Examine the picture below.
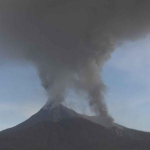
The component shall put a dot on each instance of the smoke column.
(69, 40)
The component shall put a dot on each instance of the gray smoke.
(69, 40)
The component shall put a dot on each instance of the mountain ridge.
(56, 127)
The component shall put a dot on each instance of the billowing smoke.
(69, 40)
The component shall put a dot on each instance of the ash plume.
(69, 40)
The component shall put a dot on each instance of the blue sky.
(126, 76)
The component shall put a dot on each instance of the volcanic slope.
(56, 127)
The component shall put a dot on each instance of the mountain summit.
(54, 112)
(56, 127)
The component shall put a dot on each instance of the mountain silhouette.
(56, 127)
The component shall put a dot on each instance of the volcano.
(56, 127)
(53, 112)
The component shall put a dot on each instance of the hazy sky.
(126, 75)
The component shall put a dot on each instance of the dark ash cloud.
(70, 40)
